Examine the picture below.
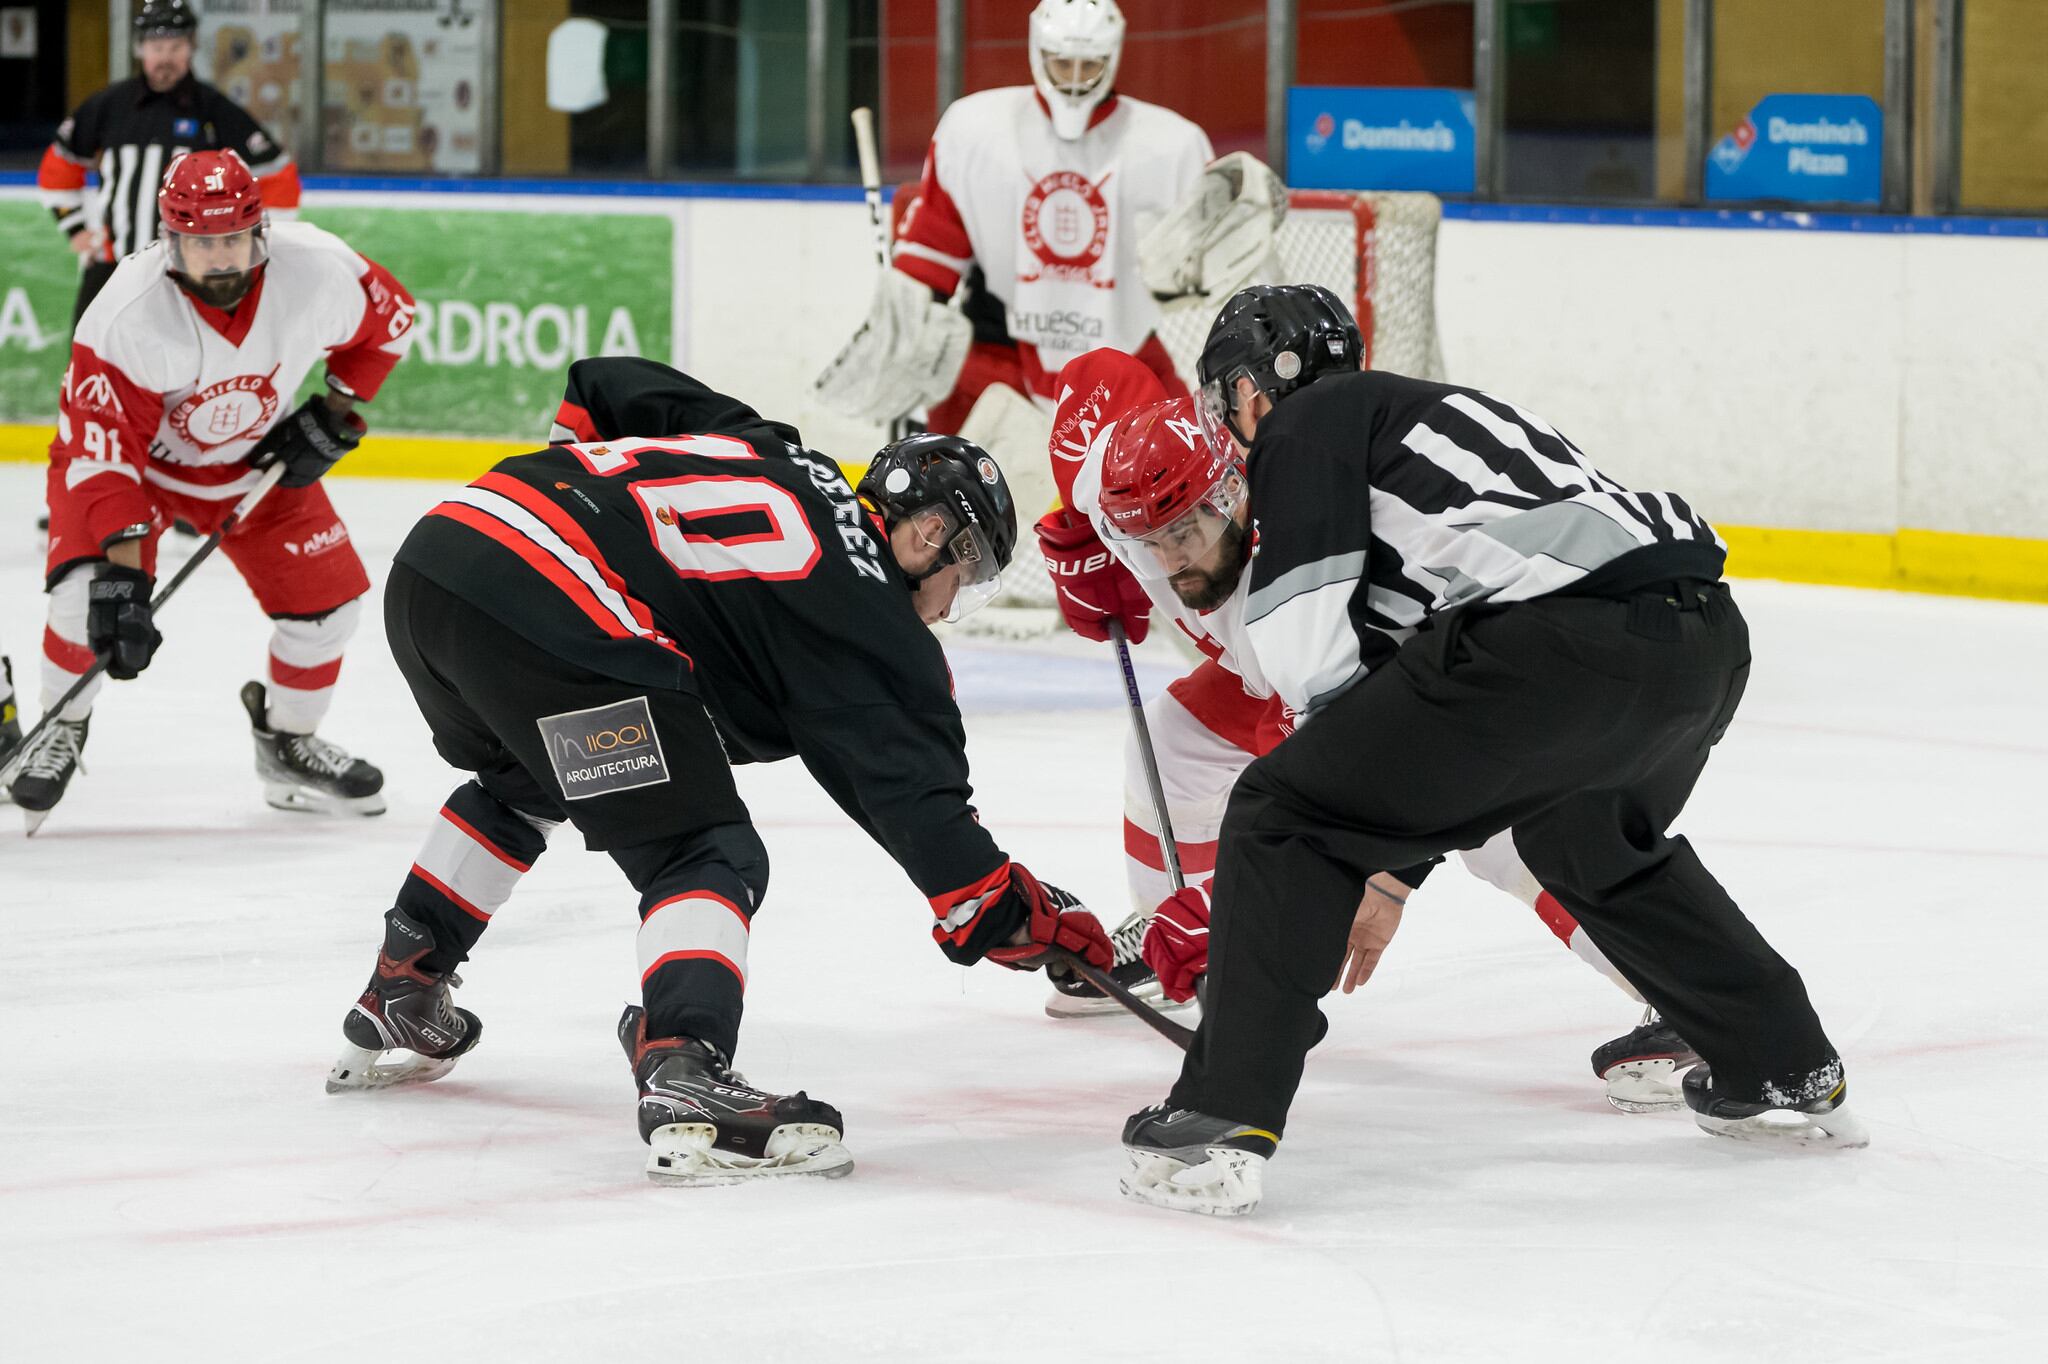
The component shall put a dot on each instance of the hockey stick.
(199, 556)
(871, 190)
(1169, 853)
(1173, 1032)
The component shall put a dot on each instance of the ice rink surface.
(174, 1184)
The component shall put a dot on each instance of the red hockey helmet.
(214, 197)
(1167, 483)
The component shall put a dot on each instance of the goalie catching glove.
(986, 921)
(1218, 239)
(309, 442)
(905, 356)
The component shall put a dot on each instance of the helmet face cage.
(1075, 46)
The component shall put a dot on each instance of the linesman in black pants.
(1444, 588)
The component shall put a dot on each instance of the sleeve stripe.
(1338, 568)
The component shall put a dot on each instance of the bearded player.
(174, 402)
(1156, 519)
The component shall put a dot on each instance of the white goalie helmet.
(1074, 49)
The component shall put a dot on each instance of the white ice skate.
(1643, 1067)
(688, 1153)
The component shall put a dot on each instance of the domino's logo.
(1732, 150)
(1320, 133)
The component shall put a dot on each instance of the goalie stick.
(199, 556)
(871, 190)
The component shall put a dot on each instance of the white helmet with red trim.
(1075, 45)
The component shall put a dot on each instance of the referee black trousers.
(1580, 723)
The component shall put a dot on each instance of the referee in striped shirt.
(130, 132)
(1480, 632)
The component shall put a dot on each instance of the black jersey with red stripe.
(739, 566)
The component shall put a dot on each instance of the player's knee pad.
(729, 860)
(305, 641)
(520, 835)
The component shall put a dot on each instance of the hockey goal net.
(1376, 251)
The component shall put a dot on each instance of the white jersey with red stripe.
(164, 391)
(1053, 224)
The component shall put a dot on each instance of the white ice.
(175, 959)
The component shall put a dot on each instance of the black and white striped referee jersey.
(130, 134)
(1380, 500)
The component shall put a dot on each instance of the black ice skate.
(1074, 997)
(1192, 1162)
(406, 1028)
(47, 768)
(704, 1124)
(1812, 1118)
(1641, 1068)
(305, 772)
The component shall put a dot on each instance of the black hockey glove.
(309, 442)
(118, 627)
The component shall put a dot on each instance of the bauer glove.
(1176, 944)
(1092, 585)
(118, 624)
(309, 442)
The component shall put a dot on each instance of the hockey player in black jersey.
(597, 630)
(1443, 588)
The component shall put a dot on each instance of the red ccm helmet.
(214, 225)
(1168, 485)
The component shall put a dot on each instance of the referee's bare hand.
(87, 242)
(1379, 915)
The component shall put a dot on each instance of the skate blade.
(1789, 1129)
(359, 1068)
(1091, 1005)
(1228, 1184)
(304, 800)
(1649, 1086)
(682, 1153)
(32, 820)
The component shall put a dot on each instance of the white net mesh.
(1376, 251)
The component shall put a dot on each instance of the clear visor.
(223, 254)
(1212, 409)
(1186, 542)
(1074, 76)
(971, 598)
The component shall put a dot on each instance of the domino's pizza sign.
(1816, 149)
(1371, 137)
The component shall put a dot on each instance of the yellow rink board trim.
(1996, 566)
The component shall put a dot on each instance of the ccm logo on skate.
(604, 749)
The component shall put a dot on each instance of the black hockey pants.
(685, 841)
(1580, 723)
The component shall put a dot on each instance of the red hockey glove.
(1054, 919)
(1092, 586)
(1176, 944)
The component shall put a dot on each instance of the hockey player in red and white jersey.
(182, 371)
(1047, 203)
(1135, 468)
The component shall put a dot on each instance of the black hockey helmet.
(958, 478)
(1281, 336)
(165, 19)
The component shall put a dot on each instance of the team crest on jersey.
(233, 409)
(1066, 224)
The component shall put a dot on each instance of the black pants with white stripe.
(1582, 724)
(686, 844)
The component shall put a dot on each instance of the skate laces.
(311, 753)
(59, 748)
(1128, 940)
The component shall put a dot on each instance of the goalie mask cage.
(1374, 250)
